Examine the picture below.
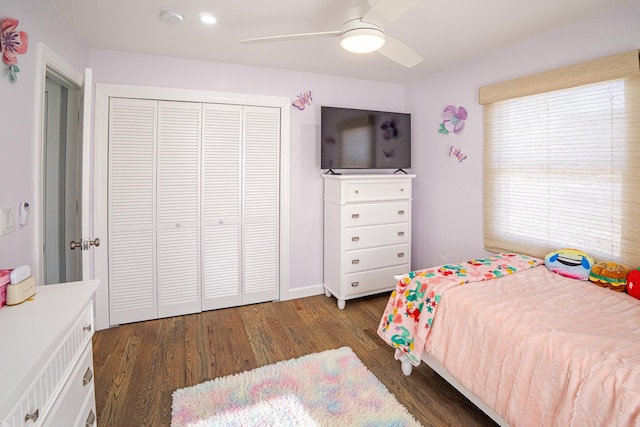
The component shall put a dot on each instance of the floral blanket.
(409, 314)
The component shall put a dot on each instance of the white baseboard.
(307, 291)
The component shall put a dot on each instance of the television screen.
(364, 139)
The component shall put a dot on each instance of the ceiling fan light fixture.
(362, 40)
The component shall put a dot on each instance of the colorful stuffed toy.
(569, 263)
(609, 275)
(633, 283)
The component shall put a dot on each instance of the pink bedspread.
(409, 314)
(542, 349)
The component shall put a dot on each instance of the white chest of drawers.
(46, 360)
(367, 233)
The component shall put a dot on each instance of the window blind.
(562, 169)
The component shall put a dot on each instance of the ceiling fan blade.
(387, 11)
(399, 52)
(301, 36)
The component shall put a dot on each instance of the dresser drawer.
(374, 191)
(377, 235)
(373, 280)
(36, 403)
(367, 259)
(378, 213)
(80, 385)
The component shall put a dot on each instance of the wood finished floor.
(139, 365)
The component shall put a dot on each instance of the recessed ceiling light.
(171, 16)
(208, 18)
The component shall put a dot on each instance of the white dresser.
(367, 233)
(46, 361)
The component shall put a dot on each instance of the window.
(562, 162)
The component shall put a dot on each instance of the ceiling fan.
(363, 32)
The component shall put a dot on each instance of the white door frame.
(49, 62)
(100, 167)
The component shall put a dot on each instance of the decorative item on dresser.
(46, 367)
(367, 233)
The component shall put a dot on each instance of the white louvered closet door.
(131, 240)
(178, 207)
(221, 153)
(261, 182)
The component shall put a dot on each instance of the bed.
(528, 346)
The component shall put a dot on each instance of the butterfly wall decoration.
(303, 100)
(457, 154)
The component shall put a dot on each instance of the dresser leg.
(327, 293)
(341, 304)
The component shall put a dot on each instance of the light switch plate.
(8, 221)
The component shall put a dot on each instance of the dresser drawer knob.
(400, 254)
(91, 419)
(355, 215)
(357, 191)
(87, 328)
(86, 379)
(355, 261)
(32, 416)
(355, 238)
(355, 284)
(400, 212)
(400, 233)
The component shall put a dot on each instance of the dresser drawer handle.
(400, 212)
(86, 379)
(400, 233)
(400, 254)
(355, 261)
(357, 191)
(355, 284)
(32, 416)
(91, 419)
(355, 215)
(87, 328)
(355, 238)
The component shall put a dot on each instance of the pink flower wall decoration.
(12, 43)
(452, 120)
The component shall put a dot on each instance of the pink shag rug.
(322, 389)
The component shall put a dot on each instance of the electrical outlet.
(8, 217)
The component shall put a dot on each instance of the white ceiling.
(445, 33)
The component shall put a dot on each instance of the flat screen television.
(364, 139)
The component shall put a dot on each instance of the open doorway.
(62, 179)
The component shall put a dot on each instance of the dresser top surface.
(356, 176)
(30, 330)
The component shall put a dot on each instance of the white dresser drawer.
(367, 259)
(377, 235)
(72, 399)
(359, 191)
(35, 405)
(373, 280)
(380, 213)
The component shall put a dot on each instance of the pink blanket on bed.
(412, 307)
(542, 349)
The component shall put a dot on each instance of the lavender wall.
(306, 182)
(19, 145)
(447, 218)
